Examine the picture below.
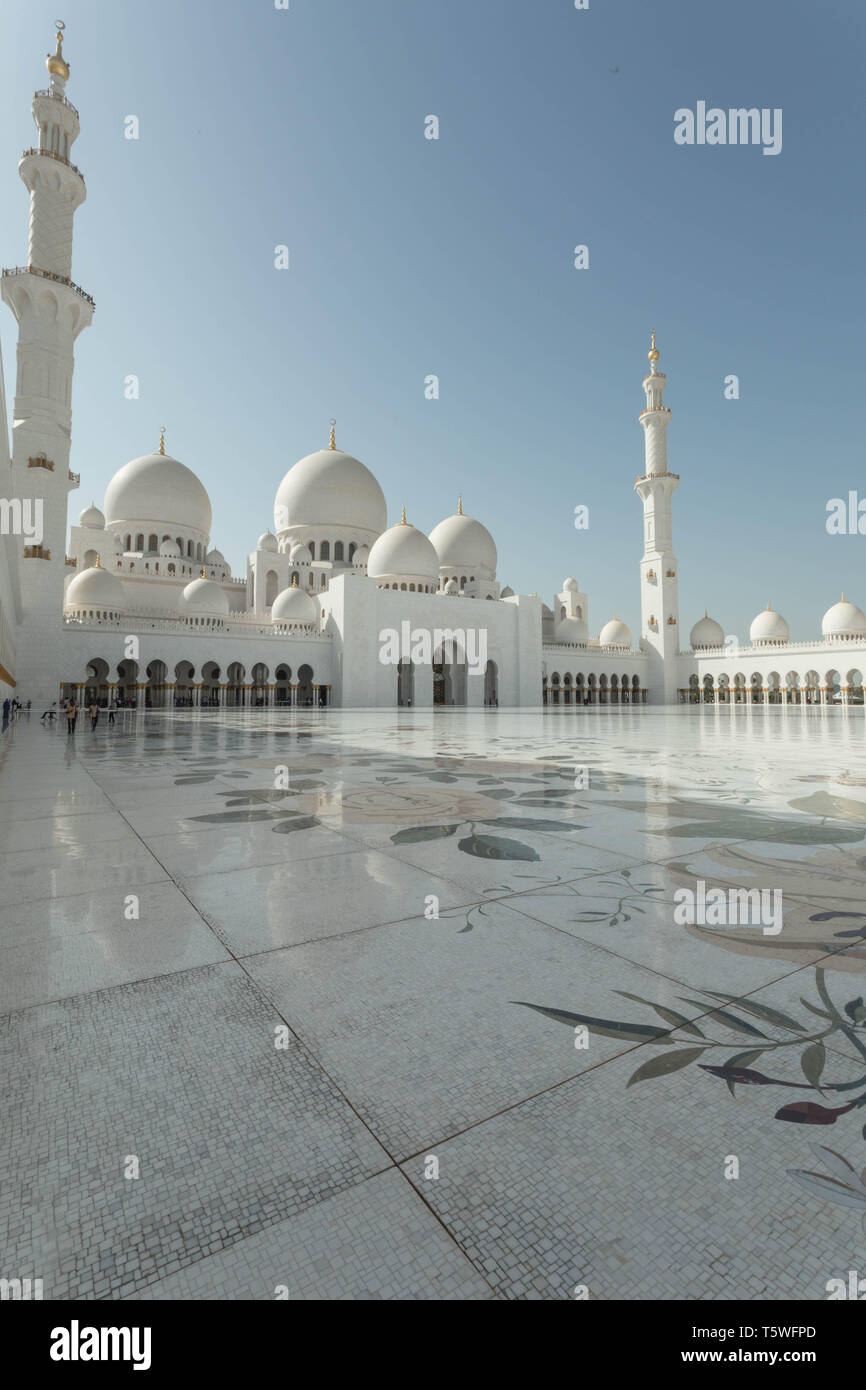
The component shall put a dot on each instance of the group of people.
(11, 710)
(71, 709)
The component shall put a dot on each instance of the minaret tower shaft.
(50, 311)
(658, 567)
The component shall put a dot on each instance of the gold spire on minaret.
(653, 353)
(460, 505)
(161, 449)
(333, 443)
(55, 62)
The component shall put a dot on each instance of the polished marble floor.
(398, 1005)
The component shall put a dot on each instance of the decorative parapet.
(49, 275)
(52, 154)
(55, 96)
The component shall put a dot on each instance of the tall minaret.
(51, 311)
(658, 568)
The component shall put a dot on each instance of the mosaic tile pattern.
(376, 1241)
(553, 847)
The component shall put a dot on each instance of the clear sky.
(410, 257)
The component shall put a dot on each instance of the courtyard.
(396, 1005)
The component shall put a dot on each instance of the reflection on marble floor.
(401, 1005)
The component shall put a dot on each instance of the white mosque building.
(137, 602)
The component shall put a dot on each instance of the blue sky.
(305, 127)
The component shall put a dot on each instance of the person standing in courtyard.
(93, 711)
(6, 708)
(71, 716)
(112, 710)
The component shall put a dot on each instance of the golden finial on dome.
(653, 353)
(294, 581)
(202, 573)
(98, 563)
(460, 505)
(161, 449)
(403, 521)
(333, 443)
(843, 596)
(55, 62)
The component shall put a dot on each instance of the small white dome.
(574, 631)
(203, 598)
(215, 557)
(301, 554)
(295, 607)
(95, 588)
(570, 586)
(330, 488)
(169, 550)
(361, 556)
(463, 544)
(615, 634)
(157, 489)
(844, 619)
(707, 633)
(267, 541)
(403, 552)
(507, 592)
(92, 517)
(452, 587)
(768, 626)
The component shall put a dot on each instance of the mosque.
(137, 602)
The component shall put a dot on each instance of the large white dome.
(92, 517)
(330, 488)
(95, 588)
(464, 545)
(768, 626)
(844, 620)
(203, 598)
(707, 633)
(294, 606)
(403, 552)
(615, 634)
(157, 489)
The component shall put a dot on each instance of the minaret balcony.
(647, 477)
(36, 552)
(41, 461)
(50, 275)
(655, 410)
(55, 96)
(72, 562)
(74, 478)
(52, 154)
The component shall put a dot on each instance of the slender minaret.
(658, 567)
(51, 311)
